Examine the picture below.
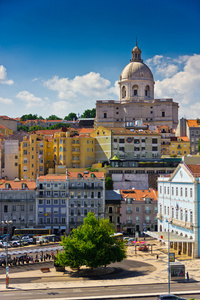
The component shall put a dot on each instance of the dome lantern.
(136, 54)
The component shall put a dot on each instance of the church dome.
(136, 70)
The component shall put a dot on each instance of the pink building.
(139, 210)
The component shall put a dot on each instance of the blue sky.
(58, 57)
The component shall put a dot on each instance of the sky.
(60, 56)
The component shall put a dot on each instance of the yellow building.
(6, 131)
(36, 156)
(103, 144)
(180, 146)
(74, 148)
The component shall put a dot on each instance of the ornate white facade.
(136, 100)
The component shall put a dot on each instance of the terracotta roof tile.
(15, 185)
(139, 195)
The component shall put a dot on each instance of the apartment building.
(180, 146)
(36, 156)
(17, 203)
(63, 201)
(74, 148)
(135, 143)
(138, 210)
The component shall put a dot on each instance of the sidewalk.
(57, 279)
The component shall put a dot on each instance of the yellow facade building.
(103, 144)
(74, 148)
(36, 156)
(180, 146)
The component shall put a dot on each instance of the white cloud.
(183, 86)
(3, 76)
(91, 86)
(6, 101)
(31, 100)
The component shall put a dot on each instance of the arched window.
(123, 92)
(60, 149)
(135, 90)
(147, 91)
(60, 156)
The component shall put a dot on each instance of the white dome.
(136, 70)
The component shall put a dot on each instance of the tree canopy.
(53, 117)
(71, 116)
(91, 244)
(89, 113)
(30, 117)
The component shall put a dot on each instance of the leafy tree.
(109, 183)
(24, 128)
(89, 113)
(58, 126)
(53, 117)
(92, 245)
(71, 117)
(35, 128)
(28, 117)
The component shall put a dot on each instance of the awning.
(163, 236)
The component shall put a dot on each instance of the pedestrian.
(187, 274)
(157, 256)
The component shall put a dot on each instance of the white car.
(15, 243)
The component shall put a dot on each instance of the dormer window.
(7, 185)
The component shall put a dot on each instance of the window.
(105, 115)
(191, 216)
(191, 192)
(25, 152)
(160, 189)
(55, 210)
(185, 192)
(154, 141)
(137, 209)
(41, 201)
(168, 210)
(176, 213)
(99, 194)
(110, 210)
(172, 213)
(176, 191)
(168, 190)
(163, 114)
(172, 191)
(186, 215)
(181, 192)
(48, 201)
(55, 201)
(123, 92)
(5, 208)
(137, 219)
(121, 141)
(63, 220)
(154, 148)
(181, 215)
(63, 201)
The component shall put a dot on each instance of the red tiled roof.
(15, 185)
(194, 169)
(139, 195)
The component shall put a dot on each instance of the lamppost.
(168, 267)
(7, 223)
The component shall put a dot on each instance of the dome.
(136, 70)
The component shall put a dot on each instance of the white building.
(136, 100)
(179, 209)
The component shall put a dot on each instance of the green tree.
(71, 117)
(23, 128)
(89, 113)
(92, 245)
(28, 117)
(109, 183)
(53, 117)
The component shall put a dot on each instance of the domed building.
(136, 101)
(136, 81)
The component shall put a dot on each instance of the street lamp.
(7, 223)
(168, 222)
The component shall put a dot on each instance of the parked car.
(170, 297)
(15, 243)
(5, 244)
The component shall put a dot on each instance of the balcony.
(183, 224)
